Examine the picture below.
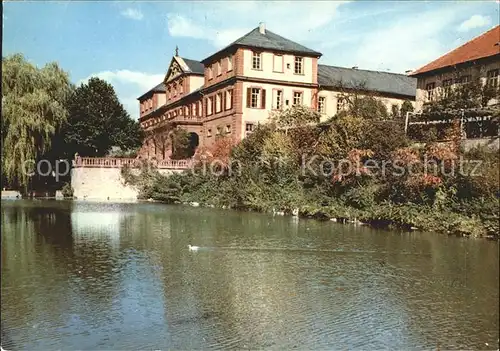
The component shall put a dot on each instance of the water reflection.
(104, 276)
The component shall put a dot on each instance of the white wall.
(267, 68)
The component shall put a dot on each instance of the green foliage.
(295, 116)
(97, 121)
(33, 108)
(67, 190)
(181, 146)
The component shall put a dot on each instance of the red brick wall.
(225, 74)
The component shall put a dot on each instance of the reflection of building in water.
(96, 226)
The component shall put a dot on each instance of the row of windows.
(256, 98)
(175, 89)
(277, 63)
(219, 130)
(216, 69)
(146, 105)
(492, 79)
(219, 102)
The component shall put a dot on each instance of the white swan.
(193, 248)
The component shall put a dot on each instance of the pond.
(93, 276)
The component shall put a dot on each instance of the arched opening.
(194, 142)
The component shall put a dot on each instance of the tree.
(33, 108)
(97, 121)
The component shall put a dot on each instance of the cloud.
(475, 21)
(298, 19)
(128, 85)
(132, 14)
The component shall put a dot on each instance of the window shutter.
(263, 98)
(206, 105)
(249, 96)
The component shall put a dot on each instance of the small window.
(287, 66)
(464, 79)
(181, 88)
(430, 90)
(299, 65)
(200, 109)
(219, 68)
(321, 104)
(229, 101)
(492, 78)
(297, 98)
(256, 60)
(228, 129)
(219, 130)
(446, 84)
(249, 127)
(341, 103)
(209, 133)
(210, 73)
(230, 63)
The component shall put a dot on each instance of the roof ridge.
(365, 70)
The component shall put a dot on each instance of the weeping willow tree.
(33, 108)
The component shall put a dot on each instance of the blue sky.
(130, 44)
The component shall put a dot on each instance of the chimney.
(262, 28)
(408, 71)
(355, 67)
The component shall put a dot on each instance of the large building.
(478, 60)
(236, 88)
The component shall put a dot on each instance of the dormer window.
(257, 60)
(230, 63)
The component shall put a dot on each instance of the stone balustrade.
(115, 162)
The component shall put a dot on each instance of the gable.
(174, 71)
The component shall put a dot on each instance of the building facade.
(478, 60)
(238, 87)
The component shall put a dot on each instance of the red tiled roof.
(487, 44)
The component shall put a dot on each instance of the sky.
(130, 44)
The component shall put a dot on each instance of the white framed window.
(249, 127)
(219, 68)
(255, 98)
(464, 79)
(229, 99)
(299, 65)
(278, 99)
(218, 103)
(322, 104)
(430, 90)
(492, 78)
(297, 98)
(256, 60)
(230, 63)
(341, 103)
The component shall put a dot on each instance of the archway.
(194, 142)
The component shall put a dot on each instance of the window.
(278, 99)
(464, 79)
(181, 88)
(174, 113)
(228, 129)
(175, 90)
(210, 73)
(200, 109)
(430, 90)
(209, 106)
(254, 98)
(218, 103)
(219, 68)
(219, 130)
(229, 100)
(278, 63)
(209, 133)
(297, 98)
(249, 127)
(492, 78)
(446, 84)
(321, 104)
(256, 60)
(230, 63)
(299, 63)
(340, 104)
(186, 111)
